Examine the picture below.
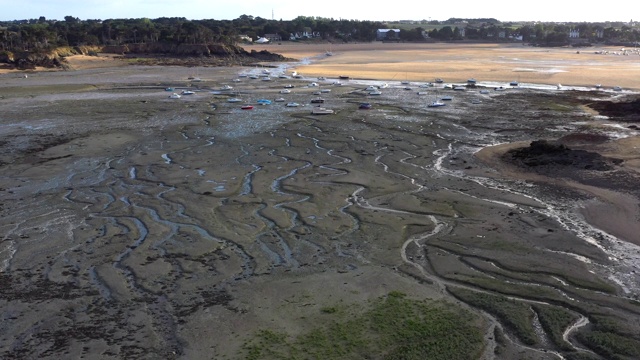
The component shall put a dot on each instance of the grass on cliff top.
(391, 327)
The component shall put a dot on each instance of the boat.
(514, 83)
(484, 91)
(226, 87)
(283, 76)
(266, 78)
(264, 102)
(321, 111)
(343, 77)
(471, 81)
(598, 86)
(447, 86)
(187, 92)
(325, 90)
(376, 92)
(436, 103)
(408, 88)
(288, 86)
(293, 104)
(317, 93)
(168, 89)
(234, 100)
(384, 86)
(427, 85)
(446, 98)
(439, 81)
(476, 101)
(459, 88)
(500, 88)
(370, 88)
(313, 84)
(253, 77)
(246, 107)
(322, 78)
(279, 100)
(559, 86)
(266, 71)
(317, 101)
(174, 96)
(285, 91)
(617, 88)
(364, 106)
(337, 83)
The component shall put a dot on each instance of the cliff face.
(55, 58)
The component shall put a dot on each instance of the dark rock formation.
(545, 155)
(626, 111)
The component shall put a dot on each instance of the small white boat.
(459, 88)
(285, 91)
(253, 76)
(436, 103)
(617, 88)
(484, 91)
(325, 90)
(500, 88)
(371, 88)
(317, 93)
(234, 100)
(514, 83)
(226, 87)
(279, 100)
(377, 92)
(288, 86)
(174, 96)
(313, 84)
(321, 111)
(423, 93)
(321, 78)
(293, 104)
(559, 86)
(187, 92)
(446, 98)
(266, 78)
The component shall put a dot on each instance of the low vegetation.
(514, 315)
(555, 320)
(391, 327)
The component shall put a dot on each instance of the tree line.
(43, 34)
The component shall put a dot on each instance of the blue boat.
(264, 102)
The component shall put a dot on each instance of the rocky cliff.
(171, 54)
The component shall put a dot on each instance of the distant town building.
(388, 34)
(574, 34)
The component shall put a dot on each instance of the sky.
(382, 10)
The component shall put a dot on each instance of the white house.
(262, 40)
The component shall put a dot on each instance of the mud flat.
(133, 225)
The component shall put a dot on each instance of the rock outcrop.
(223, 53)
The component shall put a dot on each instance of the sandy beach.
(138, 226)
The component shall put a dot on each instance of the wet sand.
(138, 226)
